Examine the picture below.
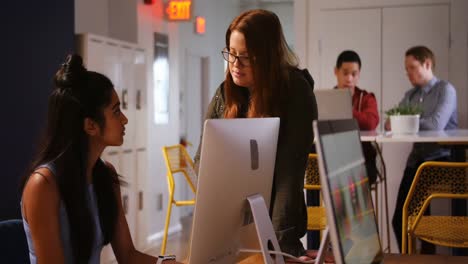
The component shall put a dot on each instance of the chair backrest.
(436, 178)
(13, 243)
(178, 161)
(312, 176)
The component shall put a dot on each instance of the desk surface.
(394, 258)
(442, 136)
(369, 135)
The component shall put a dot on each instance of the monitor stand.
(323, 247)
(266, 234)
(265, 231)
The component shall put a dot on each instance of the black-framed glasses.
(229, 57)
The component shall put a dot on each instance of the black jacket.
(287, 209)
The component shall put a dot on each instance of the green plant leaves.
(406, 109)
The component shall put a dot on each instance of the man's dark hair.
(348, 56)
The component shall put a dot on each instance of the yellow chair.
(177, 161)
(435, 180)
(316, 215)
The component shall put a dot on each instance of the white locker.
(143, 198)
(141, 116)
(141, 106)
(95, 61)
(125, 64)
(127, 94)
(129, 197)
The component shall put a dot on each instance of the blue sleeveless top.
(65, 228)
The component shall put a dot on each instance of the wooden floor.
(177, 244)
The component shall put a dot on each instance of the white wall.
(92, 16)
(458, 65)
(182, 40)
(123, 19)
(110, 18)
(219, 15)
(285, 13)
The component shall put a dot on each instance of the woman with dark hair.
(263, 80)
(71, 203)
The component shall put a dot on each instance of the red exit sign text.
(178, 10)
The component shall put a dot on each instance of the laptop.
(237, 161)
(350, 213)
(334, 104)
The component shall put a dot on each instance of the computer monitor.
(350, 214)
(333, 104)
(237, 161)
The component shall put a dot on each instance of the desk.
(369, 136)
(443, 136)
(393, 258)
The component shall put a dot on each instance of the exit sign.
(178, 10)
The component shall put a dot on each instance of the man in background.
(438, 100)
(347, 72)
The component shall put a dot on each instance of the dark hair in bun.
(71, 72)
(78, 94)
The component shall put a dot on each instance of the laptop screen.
(348, 190)
(333, 104)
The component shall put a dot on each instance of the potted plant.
(404, 119)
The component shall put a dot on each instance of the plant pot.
(404, 124)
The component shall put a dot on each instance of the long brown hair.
(271, 60)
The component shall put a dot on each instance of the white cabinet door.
(127, 94)
(103, 57)
(355, 29)
(129, 195)
(141, 126)
(140, 84)
(404, 27)
(125, 65)
(143, 198)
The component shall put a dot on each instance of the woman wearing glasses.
(263, 80)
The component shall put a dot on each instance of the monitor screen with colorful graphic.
(351, 218)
